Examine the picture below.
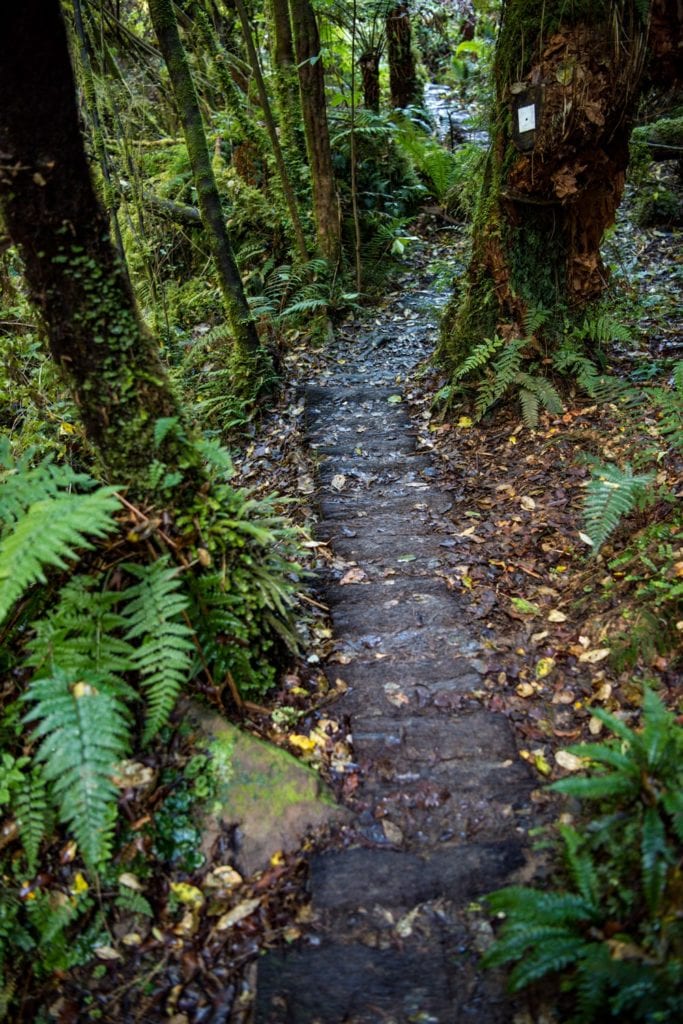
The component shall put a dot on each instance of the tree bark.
(237, 310)
(285, 183)
(404, 87)
(312, 90)
(548, 194)
(369, 70)
(285, 80)
(74, 275)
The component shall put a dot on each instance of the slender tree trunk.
(286, 82)
(237, 309)
(566, 89)
(288, 191)
(369, 70)
(312, 89)
(403, 84)
(73, 273)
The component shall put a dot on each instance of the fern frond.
(83, 734)
(529, 404)
(163, 657)
(603, 328)
(551, 957)
(49, 534)
(32, 812)
(654, 856)
(610, 495)
(82, 636)
(21, 484)
(479, 357)
(580, 865)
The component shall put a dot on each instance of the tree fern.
(49, 534)
(83, 733)
(163, 655)
(611, 494)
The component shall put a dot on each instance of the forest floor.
(460, 635)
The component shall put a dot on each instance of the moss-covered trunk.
(252, 357)
(74, 275)
(312, 91)
(566, 87)
(404, 86)
(286, 82)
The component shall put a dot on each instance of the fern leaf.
(529, 404)
(163, 657)
(31, 809)
(654, 855)
(610, 495)
(478, 357)
(551, 957)
(83, 734)
(49, 534)
(581, 867)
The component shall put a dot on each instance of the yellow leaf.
(304, 743)
(540, 763)
(544, 667)
(525, 690)
(186, 893)
(278, 859)
(79, 884)
(67, 428)
(464, 422)
(561, 568)
(512, 439)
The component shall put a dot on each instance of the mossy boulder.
(270, 798)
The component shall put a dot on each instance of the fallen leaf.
(354, 575)
(525, 690)
(131, 881)
(556, 616)
(527, 503)
(544, 667)
(570, 762)
(595, 655)
(237, 914)
(106, 953)
(338, 482)
(303, 743)
(464, 422)
(524, 607)
(394, 399)
(188, 894)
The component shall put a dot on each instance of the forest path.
(442, 811)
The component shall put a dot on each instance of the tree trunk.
(312, 90)
(285, 183)
(286, 81)
(403, 84)
(566, 89)
(237, 309)
(369, 70)
(73, 273)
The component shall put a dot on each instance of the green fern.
(83, 733)
(83, 636)
(669, 404)
(33, 814)
(49, 534)
(610, 495)
(623, 865)
(603, 328)
(479, 357)
(163, 658)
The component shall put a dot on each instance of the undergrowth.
(610, 929)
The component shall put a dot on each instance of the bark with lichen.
(543, 210)
(74, 275)
(404, 86)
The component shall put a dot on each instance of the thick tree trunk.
(565, 92)
(237, 309)
(312, 90)
(74, 276)
(369, 70)
(403, 84)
